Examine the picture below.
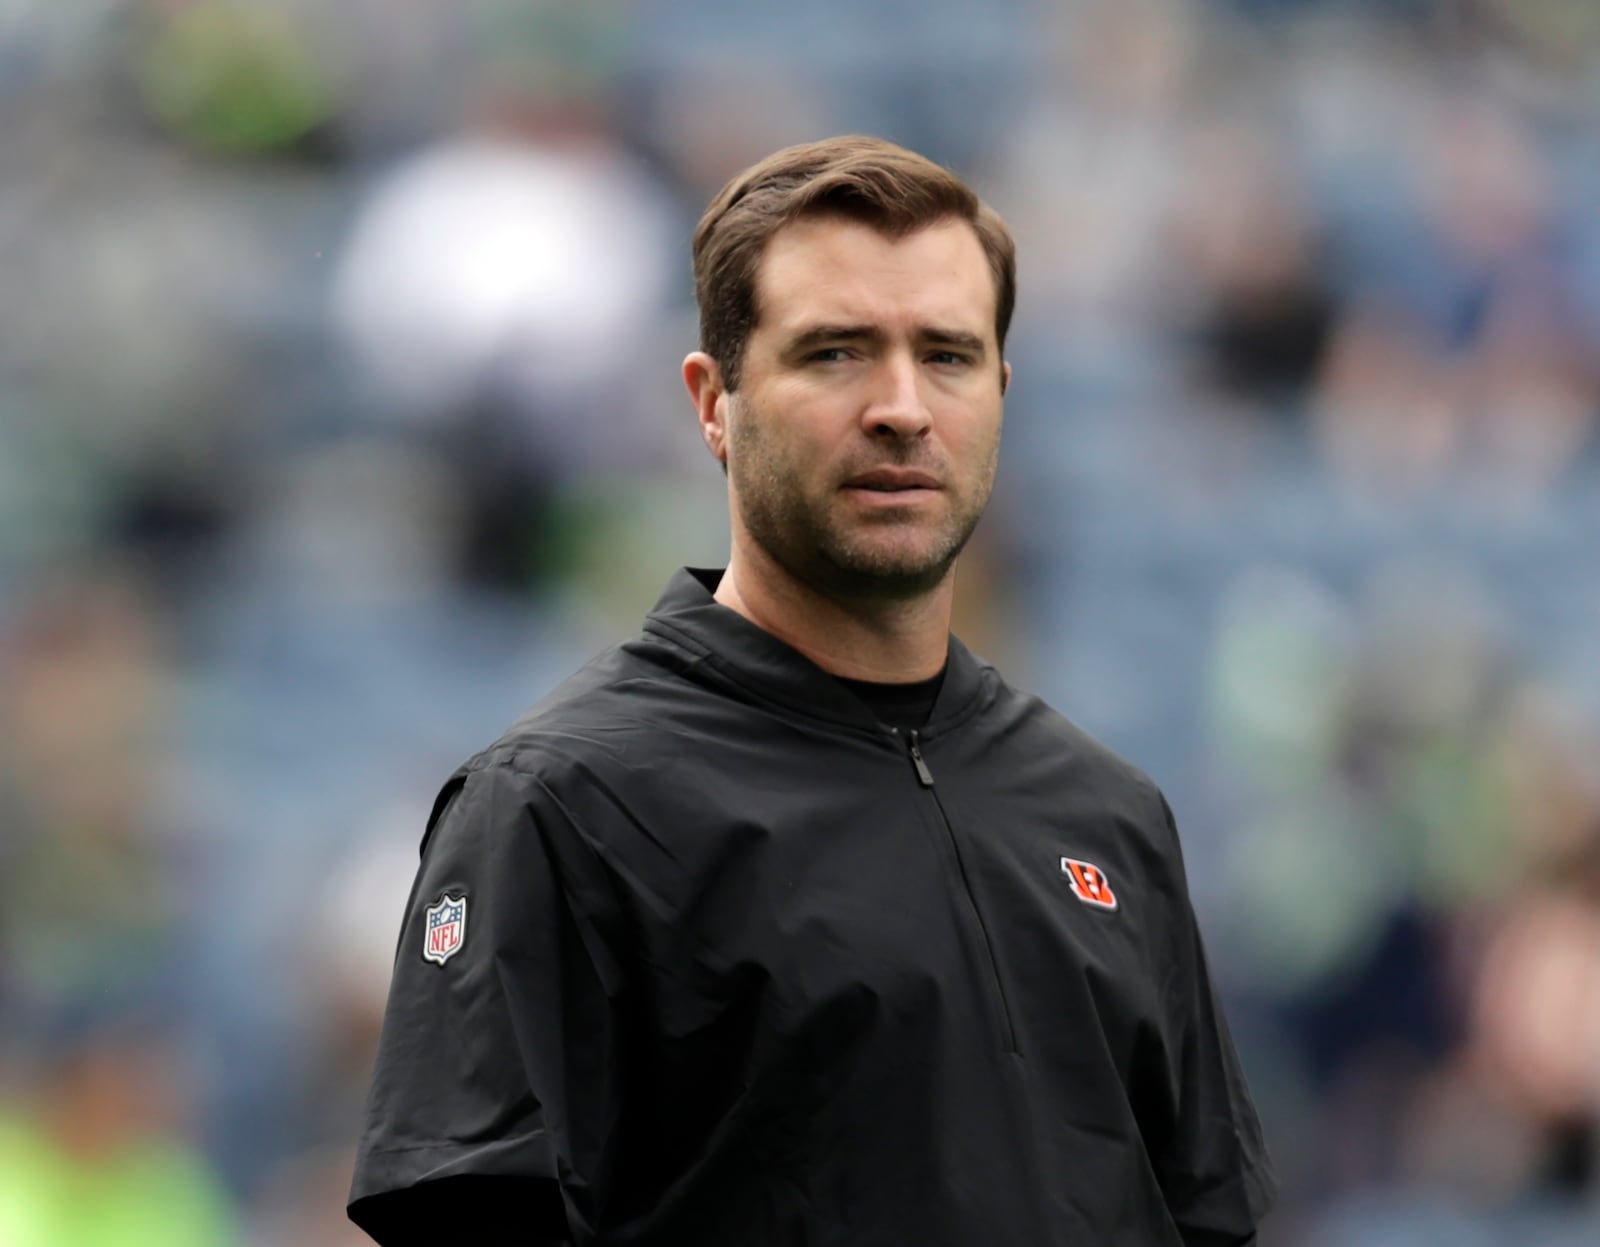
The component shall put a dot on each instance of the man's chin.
(890, 573)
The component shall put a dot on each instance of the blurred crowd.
(339, 419)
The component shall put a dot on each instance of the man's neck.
(890, 642)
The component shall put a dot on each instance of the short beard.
(800, 538)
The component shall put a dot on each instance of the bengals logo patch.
(1089, 883)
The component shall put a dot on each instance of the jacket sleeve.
(493, 1095)
(1209, 1153)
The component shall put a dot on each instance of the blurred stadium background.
(339, 419)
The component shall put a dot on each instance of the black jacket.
(739, 965)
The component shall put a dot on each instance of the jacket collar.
(766, 668)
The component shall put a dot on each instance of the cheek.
(793, 443)
(974, 438)
(762, 462)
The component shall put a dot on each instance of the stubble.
(894, 554)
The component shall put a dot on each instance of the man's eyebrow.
(958, 338)
(821, 335)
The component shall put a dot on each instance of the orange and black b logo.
(1089, 883)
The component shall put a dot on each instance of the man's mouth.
(893, 480)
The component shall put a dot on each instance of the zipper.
(925, 778)
(918, 761)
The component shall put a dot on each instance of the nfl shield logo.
(443, 929)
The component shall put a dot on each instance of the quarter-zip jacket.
(740, 965)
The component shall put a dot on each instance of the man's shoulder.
(596, 710)
(597, 729)
(624, 710)
(1042, 726)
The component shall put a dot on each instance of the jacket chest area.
(855, 889)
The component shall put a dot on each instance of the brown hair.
(893, 190)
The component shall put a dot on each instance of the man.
(790, 922)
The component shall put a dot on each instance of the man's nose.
(895, 406)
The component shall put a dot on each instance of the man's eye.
(948, 358)
(829, 355)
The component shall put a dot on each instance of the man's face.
(862, 443)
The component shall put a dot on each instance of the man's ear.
(1005, 377)
(702, 377)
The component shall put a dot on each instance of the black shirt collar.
(763, 666)
(903, 706)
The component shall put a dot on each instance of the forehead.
(838, 271)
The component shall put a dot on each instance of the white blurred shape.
(484, 251)
(360, 908)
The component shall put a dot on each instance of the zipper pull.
(917, 760)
